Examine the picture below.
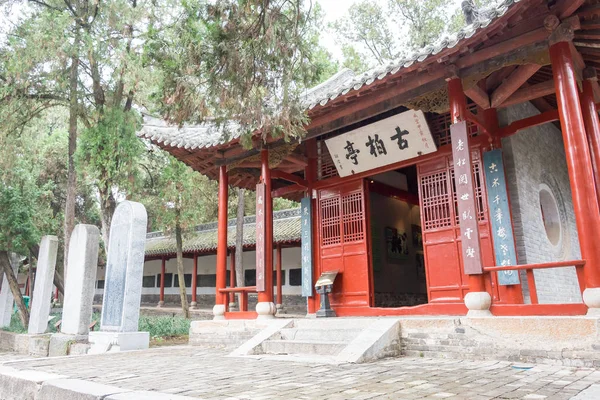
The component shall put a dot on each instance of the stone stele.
(6, 296)
(44, 280)
(79, 288)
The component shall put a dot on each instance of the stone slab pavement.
(209, 374)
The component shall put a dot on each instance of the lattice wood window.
(436, 200)
(440, 127)
(330, 221)
(353, 216)
(326, 167)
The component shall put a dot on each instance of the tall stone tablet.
(42, 290)
(79, 290)
(124, 269)
(6, 297)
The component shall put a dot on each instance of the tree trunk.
(107, 209)
(71, 175)
(14, 288)
(239, 242)
(180, 273)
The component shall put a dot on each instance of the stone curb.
(38, 385)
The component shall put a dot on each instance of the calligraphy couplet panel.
(467, 213)
(260, 237)
(306, 241)
(504, 243)
(397, 138)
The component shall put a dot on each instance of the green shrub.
(164, 326)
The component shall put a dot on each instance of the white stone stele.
(44, 280)
(591, 298)
(6, 296)
(265, 310)
(478, 304)
(123, 282)
(79, 290)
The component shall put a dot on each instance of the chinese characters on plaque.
(504, 244)
(467, 213)
(306, 241)
(397, 138)
(260, 237)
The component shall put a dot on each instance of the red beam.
(284, 191)
(566, 8)
(540, 119)
(479, 96)
(516, 79)
(286, 176)
(530, 93)
(553, 264)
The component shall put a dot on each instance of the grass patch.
(164, 326)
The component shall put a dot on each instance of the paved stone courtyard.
(209, 374)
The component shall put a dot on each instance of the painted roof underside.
(286, 230)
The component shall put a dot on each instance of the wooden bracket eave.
(277, 174)
(479, 96)
(511, 84)
(529, 93)
(284, 191)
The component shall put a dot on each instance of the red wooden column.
(279, 302)
(232, 275)
(161, 296)
(592, 123)
(477, 300)
(265, 307)
(195, 281)
(220, 299)
(310, 173)
(579, 163)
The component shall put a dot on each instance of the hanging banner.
(306, 240)
(260, 237)
(465, 195)
(501, 223)
(397, 138)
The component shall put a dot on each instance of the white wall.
(207, 265)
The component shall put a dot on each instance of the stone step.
(302, 347)
(323, 335)
(333, 323)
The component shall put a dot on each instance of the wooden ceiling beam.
(588, 11)
(277, 174)
(479, 96)
(529, 93)
(498, 76)
(566, 8)
(529, 122)
(297, 159)
(287, 190)
(516, 79)
(589, 25)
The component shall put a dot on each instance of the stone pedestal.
(160, 304)
(279, 309)
(194, 304)
(591, 298)
(103, 342)
(61, 343)
(79, 289)
(219, 311)
(478, 304)
(44, 281)
(265, 310)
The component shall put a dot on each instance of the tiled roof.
(286, 229)
(207, 135)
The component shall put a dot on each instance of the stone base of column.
(265, 310)
(478, 304)
(103, 342)
(194, 304)
(160, 304)
(591, 298)
(279, 309)
(233, 306)
(219, 311)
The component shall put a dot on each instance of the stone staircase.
(332, 340)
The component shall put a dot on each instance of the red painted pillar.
(579, 164)
(195, 281)
(265, 306)
(161, 296)
(592, 123)
(310, 174)
(220, 299)
(458, 110)
(232, 275)
(279, 294)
